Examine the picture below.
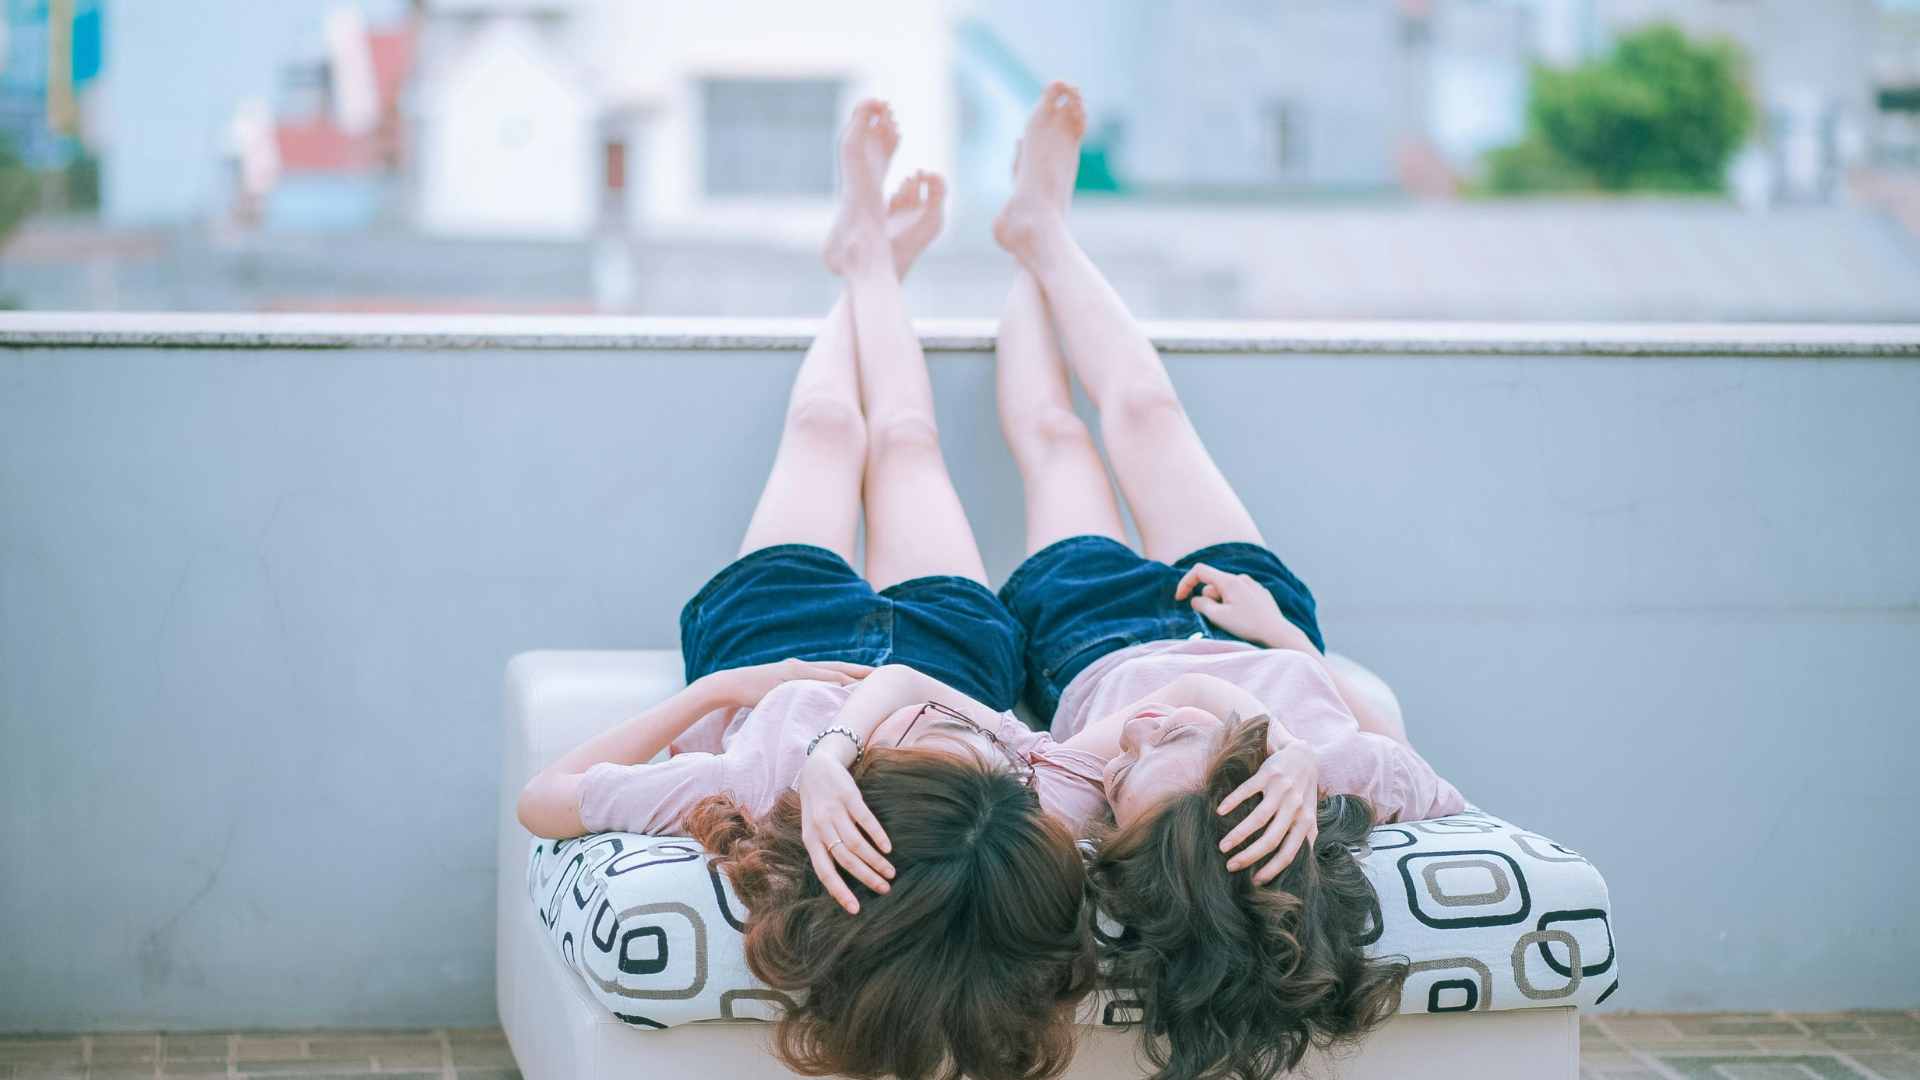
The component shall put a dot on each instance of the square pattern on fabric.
(1490, 916)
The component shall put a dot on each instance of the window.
(770, 136)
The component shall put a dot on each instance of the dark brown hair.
(1237, 979)
(971, 964)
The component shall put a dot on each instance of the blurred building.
(50, 59)
(556, 116)
(1217, 98)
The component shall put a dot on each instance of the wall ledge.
(198, 330)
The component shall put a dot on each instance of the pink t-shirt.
(755, 754)
(1297, 691)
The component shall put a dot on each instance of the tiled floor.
(1613, 1046)
(1751, 1046)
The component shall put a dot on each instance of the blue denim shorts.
(1086, 596)
(804, 601)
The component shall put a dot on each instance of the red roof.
(317, 145)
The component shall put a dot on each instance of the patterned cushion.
(1491, 917)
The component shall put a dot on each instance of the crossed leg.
(813, 490)
(916, 525)
(1178, 496)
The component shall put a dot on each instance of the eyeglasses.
(1016, 763)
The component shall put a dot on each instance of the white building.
(559, 116)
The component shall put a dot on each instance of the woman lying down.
(905, 845)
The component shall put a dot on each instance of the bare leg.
(1179, 497)
(1066, 482)
(813, 490)
(915, 523)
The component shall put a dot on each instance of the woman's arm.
(550, 803)
(1240, 604)
(881, 694)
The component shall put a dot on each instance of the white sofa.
(561, 1028)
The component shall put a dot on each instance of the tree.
(1659, 113)
(19, 189)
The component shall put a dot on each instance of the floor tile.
(269, 1047)
(483, 1055)
(1890, 1066)
(194, 1047)
(1633, 1029)
(1738, 1027)
(39, 1051)
(1710, 1067)
(305, 1066)
(435, 1075)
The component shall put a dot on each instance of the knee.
(907, 436)
(1145, 406)
(828, 422)
(1048, 432)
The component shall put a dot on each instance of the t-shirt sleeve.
(652, 798)
(1390, 775)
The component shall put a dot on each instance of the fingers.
(1285, 822)
(1200, 572)
(1296, 837)
(871, 826)
(858, 671)
(824, 869)
(853, 857)
(1249, 825)
(1253, 785)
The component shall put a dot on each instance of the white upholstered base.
(559, 1032)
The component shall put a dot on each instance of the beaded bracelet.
(837, 730)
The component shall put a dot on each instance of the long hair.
(970, 965)
(1238, 979)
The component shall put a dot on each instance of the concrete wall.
(255, 604)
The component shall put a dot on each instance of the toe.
(907, 196)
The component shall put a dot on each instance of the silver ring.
(835, 844)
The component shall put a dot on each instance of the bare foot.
(859, 233)
(914, 216)
(1044, 173)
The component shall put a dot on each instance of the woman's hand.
(1241, 606)
(744, 687)
(1288, 786)
(832, 819)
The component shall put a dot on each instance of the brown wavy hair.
(1237, 979)
(970, 965)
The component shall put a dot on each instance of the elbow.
(527, 809)
(538, 812)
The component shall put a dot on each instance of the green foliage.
(83, 183)
(19, 189)
(1660, 113)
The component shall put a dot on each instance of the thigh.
(793, 600)
(812, 495)
(1179, 497)
(916, 526)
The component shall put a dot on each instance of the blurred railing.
(1649, 589)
